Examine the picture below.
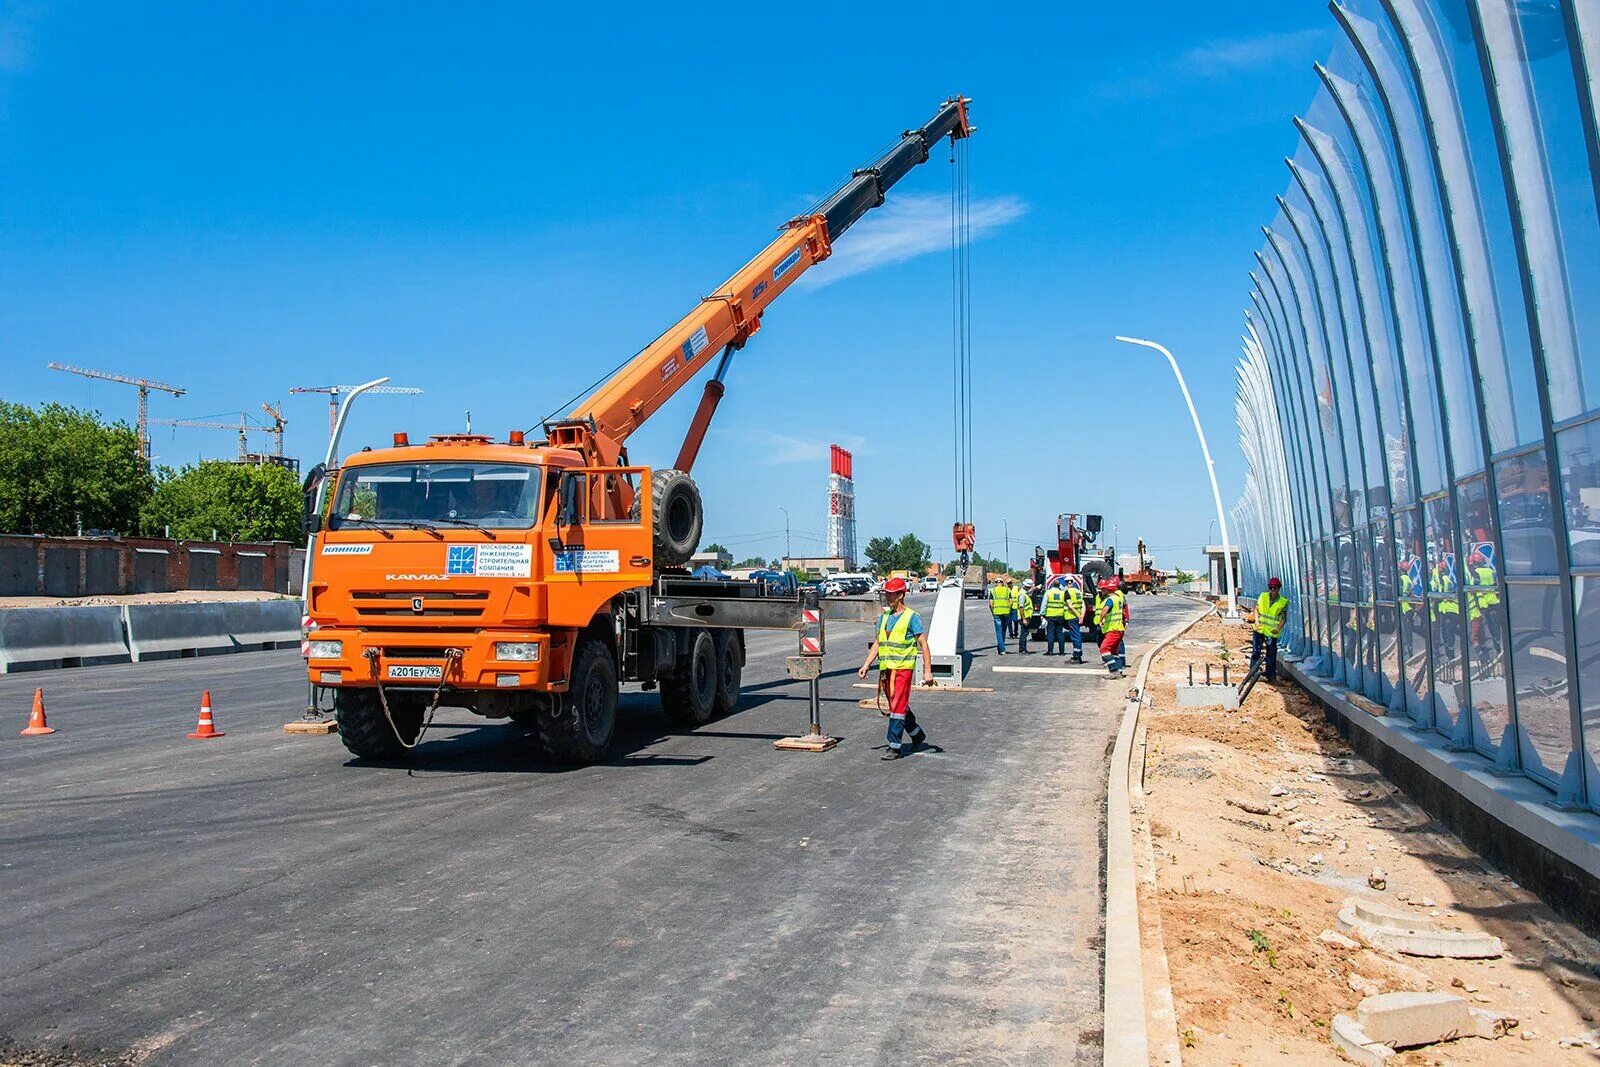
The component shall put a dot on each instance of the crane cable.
(961, 324)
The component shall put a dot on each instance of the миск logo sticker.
(462, 559)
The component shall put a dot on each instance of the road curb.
(1122, 995)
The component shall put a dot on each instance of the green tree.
(241, 503)
(881, 555)
(912, 554)
(62, 467)
(714, 547)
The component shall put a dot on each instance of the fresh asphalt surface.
(265, 898)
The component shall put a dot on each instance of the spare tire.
(676, 517)
(1094, 572)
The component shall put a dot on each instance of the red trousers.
(1111, 643)
(896, 688)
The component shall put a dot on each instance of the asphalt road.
(264, 898)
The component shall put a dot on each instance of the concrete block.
(159, 631)
(1416, 936)
(45, 638)
(1348, 1037)
(1406, 1020)
(1493, 1024)
(1208, 696)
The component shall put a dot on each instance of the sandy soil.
(182, 596)
(1243, 897)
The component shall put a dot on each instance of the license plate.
(403, 671)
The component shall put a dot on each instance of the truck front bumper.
(366, 658)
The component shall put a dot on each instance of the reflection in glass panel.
(1579, 448)
(1351, 675)
(1485, 615)
(1444, 614)
(1388, 630)
(1539, 666)
(1526, 515)
(1451, 40)
(1586, 592)
(1548, 65)
(1413, 612)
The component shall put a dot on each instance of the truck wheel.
(365, 730)
(689, 693)
(577, 726)
(730, 670)
(677, 517)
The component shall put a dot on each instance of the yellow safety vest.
(1489, 596)
(1000, 599)
(897, 649)
(1270, 615)
(1108, 616)
(1055, 603)
(1074, 602)
(1444, 584)
(1023, 603)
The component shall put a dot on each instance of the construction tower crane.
(336, 391)
(275, 413)
(144, 386)
(242, 428)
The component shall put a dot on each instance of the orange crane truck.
(528, 578)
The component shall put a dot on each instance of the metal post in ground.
(807, 666)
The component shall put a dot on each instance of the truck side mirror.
(567, 513)
(310, 517)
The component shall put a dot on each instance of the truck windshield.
(489, 495)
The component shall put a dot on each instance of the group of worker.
(1065, 611)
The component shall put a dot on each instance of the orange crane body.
(531, 577)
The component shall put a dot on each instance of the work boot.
(893, 753)
(1077, 657)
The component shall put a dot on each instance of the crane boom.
(725, 320)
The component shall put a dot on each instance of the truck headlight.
(327, 649)
(527, 651)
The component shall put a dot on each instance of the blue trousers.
(1257, 641)
(1058, 630)
(907, 724)
(1000, 631)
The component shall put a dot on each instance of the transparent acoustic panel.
(1579, 449)
(1444, 616)
(1413, 610)
(1486, 626)
(1586, 592)
(1539, 666)
(1527, 533)
(1388, 636)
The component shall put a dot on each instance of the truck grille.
(436, 603)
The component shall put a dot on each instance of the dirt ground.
(1242, 899)
(182, 596)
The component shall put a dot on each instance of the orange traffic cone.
(206, 727)
(37, 727)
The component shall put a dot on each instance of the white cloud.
(1217, 59)
(907, 227)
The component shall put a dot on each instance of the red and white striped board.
(811, 645)
(811, 616)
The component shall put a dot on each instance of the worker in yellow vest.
(1054, 610)
(1077, 614)
(1111, 615)
(1485, 623)
(1022, 612)
(900, 637)
(1272, 609)
(1001, 603)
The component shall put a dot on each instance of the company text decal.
(489, 561)
(587, 561)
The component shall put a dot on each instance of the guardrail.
(53, 637)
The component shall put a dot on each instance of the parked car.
(930, 584)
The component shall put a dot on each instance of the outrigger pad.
(808, 743)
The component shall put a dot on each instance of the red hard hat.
(1274, 583)
(895, 585)
(1108, 585)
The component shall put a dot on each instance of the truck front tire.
(577, 726)
(364, 728)
(689, 693)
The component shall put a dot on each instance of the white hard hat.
(1027, 583)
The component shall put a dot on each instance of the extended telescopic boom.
(724, 321)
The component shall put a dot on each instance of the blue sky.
(497, 203)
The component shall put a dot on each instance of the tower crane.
(242, 428)
(336, 391)
(144, 385)
(275, 413)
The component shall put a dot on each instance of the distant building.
(815, 564)
(720, 560)
(1215, 576)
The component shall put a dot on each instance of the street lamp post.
(787, 551)
(1005, 525)
(1216, 494)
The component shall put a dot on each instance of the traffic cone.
(206, 727)
(37, 727)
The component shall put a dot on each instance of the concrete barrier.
(44, 638)
(159, 631)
